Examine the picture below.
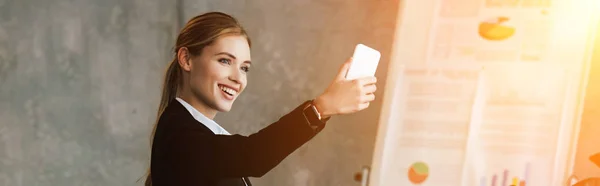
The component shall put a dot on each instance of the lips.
(228, 90)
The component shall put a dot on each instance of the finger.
(363, 106)
(367, 81)
(369, 89)
(344, 70)
(367, 98)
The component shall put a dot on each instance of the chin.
(223, 104)
(224, 107)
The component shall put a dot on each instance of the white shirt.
(212, 125)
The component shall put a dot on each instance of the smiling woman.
(216, 78)
(208, 72)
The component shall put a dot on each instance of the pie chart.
(496, 29)
(418, 173)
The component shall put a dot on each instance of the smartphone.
(364, 62)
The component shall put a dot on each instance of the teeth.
(228, 90)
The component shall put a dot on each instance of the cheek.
(200, 77)
(203, 70)
(199, 74)
(244, 83)
(214, 70)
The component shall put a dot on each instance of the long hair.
(198, 32)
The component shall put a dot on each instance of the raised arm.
(196, 156)
(222, 156)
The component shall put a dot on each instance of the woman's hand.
(346, 96)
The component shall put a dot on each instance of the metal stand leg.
(363, 176)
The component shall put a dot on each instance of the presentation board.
(484, 92)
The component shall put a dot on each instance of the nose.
(235, 75)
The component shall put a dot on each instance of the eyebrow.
(231, 56)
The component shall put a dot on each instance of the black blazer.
(185, 152)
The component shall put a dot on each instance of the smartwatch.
(312, 115)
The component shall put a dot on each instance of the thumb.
(344, 70)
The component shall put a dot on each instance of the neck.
(198, 104)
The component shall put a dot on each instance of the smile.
(227, 90)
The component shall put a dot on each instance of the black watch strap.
(312, 116)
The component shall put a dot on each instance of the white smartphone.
(364, 62)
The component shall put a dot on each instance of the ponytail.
(170, 85)
(169, 92)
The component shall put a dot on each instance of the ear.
(184, 58)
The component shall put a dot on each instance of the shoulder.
(176, 117)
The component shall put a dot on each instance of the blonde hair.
(198, 32)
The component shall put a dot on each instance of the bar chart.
(507, 178)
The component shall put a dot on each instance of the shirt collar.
(209, 123)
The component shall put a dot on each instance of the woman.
(207, 74)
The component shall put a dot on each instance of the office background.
(80, 83)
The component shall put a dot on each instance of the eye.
(225, 61)
(246, 69)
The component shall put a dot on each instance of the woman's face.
(218, 74)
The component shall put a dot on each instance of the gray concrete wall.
(79, 84)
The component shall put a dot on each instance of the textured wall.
(298, 47)
(80, 79)
(79, 86)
